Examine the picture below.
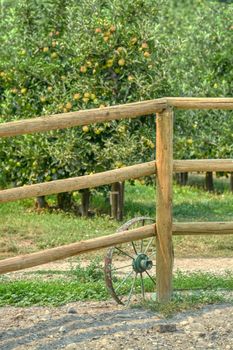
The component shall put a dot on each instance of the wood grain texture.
(83, 117)
(164, 178)
(131, 110)
(109, 177)
(53, 254)
(182, 166)
(77, 183)
(200, 103)
(78, 248)
(202, 228)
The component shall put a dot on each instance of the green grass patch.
(87, 283)
(77, 284)
(203, 280)
(221, 184)
(57, 292)
(24, 230)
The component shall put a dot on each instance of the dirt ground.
(106, 325)
(216, 265)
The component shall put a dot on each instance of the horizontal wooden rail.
(78, 183)
(62, 252)
(130, 110)
(109, 177)
(202, 228)
(200, 103)
(182, 166)
(83, 117)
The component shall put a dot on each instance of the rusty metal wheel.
(129, 268)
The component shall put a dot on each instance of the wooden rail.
(164, 167)
(78, 183)
(202, 228)
(79, 118)
(109, 177)
(82, 247)
(62, 252)
(196, 165)
(200, 103)
(130, 110)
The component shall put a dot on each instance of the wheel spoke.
(131, 290)
(122, 267)
(123, 281)
(150, 256)
(124, 253)
(134, 248)
(148, 245)
(141, 245)
(142, 286)
(152, 279)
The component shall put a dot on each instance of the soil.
(106, 325)
(216, 265)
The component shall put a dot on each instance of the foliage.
(61, 56)
(36, 290)
(111, 57)
(202, 68)
(26, 293)
(93, 272)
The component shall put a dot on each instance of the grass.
(24, 230)
(44, 293)
(79, 283)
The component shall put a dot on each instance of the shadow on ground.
(60, 330)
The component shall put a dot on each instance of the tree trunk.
(184, 179)
(114, 194)
(177, 178)
(121, 201)
(181, 178)
(209, 183)
(85, 202)
(231, 182)
(117, 200)
(41, 203)
(64, 201)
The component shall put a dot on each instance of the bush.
(74, 56)
(61, 56)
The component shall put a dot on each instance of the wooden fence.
(163, 167)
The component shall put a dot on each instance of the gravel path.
(105, 325)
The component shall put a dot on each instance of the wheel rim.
(129, 268)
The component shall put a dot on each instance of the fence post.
(164, 158)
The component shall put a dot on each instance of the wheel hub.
(141, 263)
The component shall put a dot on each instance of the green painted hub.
(141, 263)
